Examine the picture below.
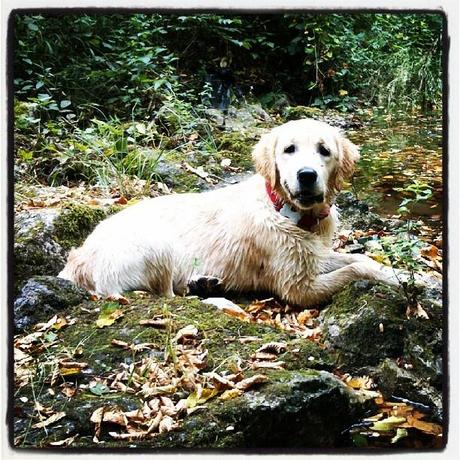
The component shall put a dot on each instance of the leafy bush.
(129, 65)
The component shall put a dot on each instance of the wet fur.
(232, 233)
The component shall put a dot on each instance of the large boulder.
(297, 409)
(370, 330)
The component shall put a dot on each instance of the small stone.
(355, 248)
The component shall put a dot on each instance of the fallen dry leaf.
(68, 391)
(159, 323)
(108, 319)
(305, 317)
(230, 394)
(268, 365)
(121, 200)
(262, 356)
(53, 419)
(187, 332)
(64, 442)
(273, 347)
(119, 298)
(166, 424)
(388, 424)
(245, 384)
(120, 343)
(67, 363)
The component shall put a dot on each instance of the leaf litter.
(394, 420)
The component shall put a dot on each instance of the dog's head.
(305, 161)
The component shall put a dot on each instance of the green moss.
(219, 333)
(300, 111)
(365, 323)
(75, 223)
(237, 146)
(30, 258)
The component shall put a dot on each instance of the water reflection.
(395, 150)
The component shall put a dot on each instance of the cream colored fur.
(233, 233)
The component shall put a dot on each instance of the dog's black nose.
(307, 177)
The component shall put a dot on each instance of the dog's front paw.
(205, 286)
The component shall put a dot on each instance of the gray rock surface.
(43, 296)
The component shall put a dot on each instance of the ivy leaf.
(99, 389)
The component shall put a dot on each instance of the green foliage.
(130, 65)
(404, 247)
(100, 97)
(418, 190)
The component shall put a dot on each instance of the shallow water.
(395, 150)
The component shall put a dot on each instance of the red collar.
(308, 220)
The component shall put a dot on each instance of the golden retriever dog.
(271, 233)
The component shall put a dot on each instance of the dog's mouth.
(305, 199)
(308, 199)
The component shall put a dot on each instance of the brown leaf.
(230, 394)
(67, 363)
(220, 381)
(273, 347)
(159, 323)
(187, 332)
(166, 424)
(248, 339)
(64, 442)
(119, 298)
(54, 418)
(115, 416)
(364, 382)
(268, 365)
(257, 379)
(68, 391)
(427, 427)
(120, 343)
(262, 356)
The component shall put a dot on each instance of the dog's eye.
(290, 149)
(324, 150)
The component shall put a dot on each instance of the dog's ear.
(348, 156)
(263, 155)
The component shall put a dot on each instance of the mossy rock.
(368, 332)
(367, 323)
(301, 381)
(43, 296)
(300, 111)
(397, 381)
(35, 250)
(75, 223)
(297, 409)
(43, 238)
(352, 324)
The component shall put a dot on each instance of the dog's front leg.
(325, 285)
(334, 260)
